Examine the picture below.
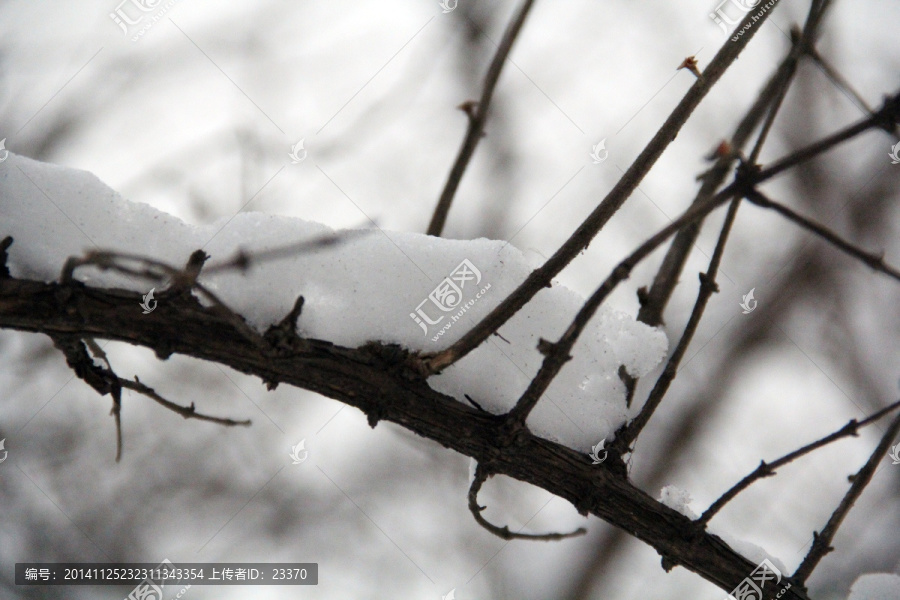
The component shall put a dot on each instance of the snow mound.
(411, 289)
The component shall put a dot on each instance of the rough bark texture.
(380, 381)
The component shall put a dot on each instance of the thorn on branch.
(630, 384)
(643, 296)
(187, 278)
(545, 347)
(690, 63)
(668, 563)
(708, 283)
(470, 107)
(888, 116)
(497, 333)
(283, 337)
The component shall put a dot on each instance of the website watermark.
(148, 303)
(894, 153)
(894, 454)
(594, 454)
(299, 453)
(751, 588)
(134, 16)
(151, 588)
(447, 297)
(298, 152)
(599, 153)
(748, 303)
(738, 9)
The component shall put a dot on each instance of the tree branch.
(622, 190)
(708, 287)
(481, 475)
(822, 541)
(768, 469)
(477, 113)
(872, 260)
(670, 269)
(556, 355)
(384, 386)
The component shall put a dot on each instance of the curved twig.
(481, 476)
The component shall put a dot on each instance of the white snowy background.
(196, 119)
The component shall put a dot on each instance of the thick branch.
(381, 384)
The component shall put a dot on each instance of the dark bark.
(382, 383)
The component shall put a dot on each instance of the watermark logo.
(447, 297)
(149, 589)
(894, 454)
(721, 17)
(599, 152)
(451, 595)
(297, 153)
(299, 453)
(4, 153)
(133, 13)
(5, 451)
(595, 453)
(748, 303)
(751, 588)
(894, 153)
(448, 6)
(148, 299)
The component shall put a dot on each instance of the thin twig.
(870, 259)
(182, 279)
(477, 114)
(885, 118)
(582, 237)
(822, 541)
(768, 469)
(556, 355)
(708, 287)
(708, 284)
(103, 380)
(670, 269)
(481, 476)
(188, 412)
(243, 260)
(838, 80)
